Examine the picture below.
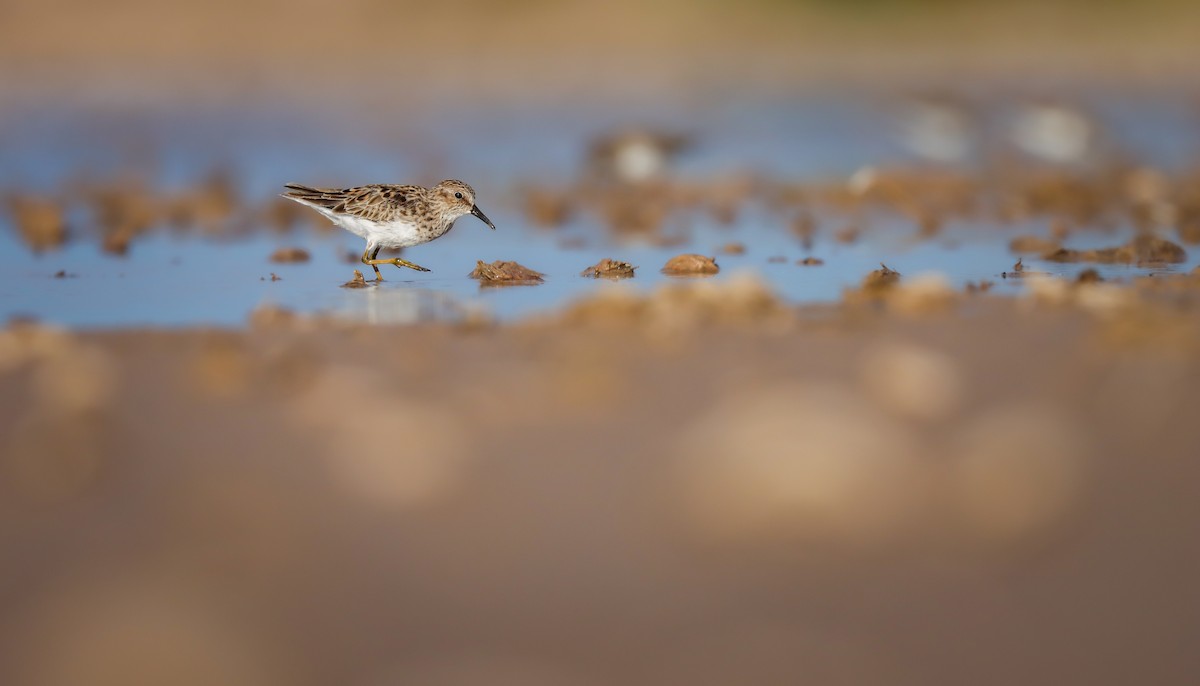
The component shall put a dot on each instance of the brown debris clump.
(690, 264)
(207, 206)
(547, 208)
(1018, 270)
(357, 282)
(875, 286)
(41, 222)
(124, 211)
(272, 316)
(979, 287)
(504, 272)
(281, 214)
(881, 279)
(1188, 229)
(609, 269)
(810, 262)
(847, 235)
(1143, 249)
(734, 248)
(681, 307)
(1032, 245)
(290, 255)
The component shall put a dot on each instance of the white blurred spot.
(385, 449)
(862, 180)
(912, 381)
(1019, 470)
(75, 379)
(921, 293)
(1053, 132)
(815, 460)
(937, 131)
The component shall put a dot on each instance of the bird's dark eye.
(458, 195)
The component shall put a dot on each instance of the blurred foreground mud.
(698, 486)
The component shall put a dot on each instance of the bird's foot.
(405, 263)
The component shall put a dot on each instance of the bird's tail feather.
(308, 195)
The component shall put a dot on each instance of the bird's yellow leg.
(405, 263)
(368, 257)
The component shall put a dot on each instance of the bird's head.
(459, 199)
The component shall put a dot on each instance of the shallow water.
(171, 279)
(176, 281)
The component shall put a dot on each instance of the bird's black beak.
(479, 213)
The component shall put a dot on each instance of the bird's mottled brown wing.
(377, 202)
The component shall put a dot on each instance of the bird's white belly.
(394, 234)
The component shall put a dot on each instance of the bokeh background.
(219, 467)
(416, 54)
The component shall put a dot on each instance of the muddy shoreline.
(866, 492)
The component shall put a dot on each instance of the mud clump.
(847, 235)
(928, 292)
(1018, 270)
(281, 214)
(1154, 249)
(503, 272)
(290, 255)
(124, 211)
(682, 307)
(271, 317)
(40, 222)
(875, 286)
(810, 262)
(1032, 245)
(982, 286)
(690, 265)
(547, 208)
(1089, 275)
(357, 282)
(1189, 230)
(1141, 250)
(881, 279)
(733, 249)
(207, 206)
(609, 269)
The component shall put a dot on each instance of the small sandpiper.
(390, 216)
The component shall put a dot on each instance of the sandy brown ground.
(694, 488)
(393, 58)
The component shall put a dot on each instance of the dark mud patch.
(357, 282)
(690, 264)
(609, 269)
(505, 273)
(290, 256)
(1141, 250)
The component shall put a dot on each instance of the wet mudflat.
(154, 223)
(706, 482)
